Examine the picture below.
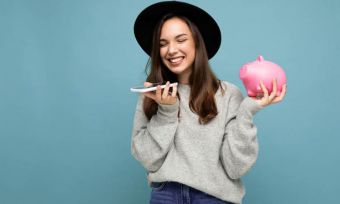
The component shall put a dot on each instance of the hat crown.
(148, 19)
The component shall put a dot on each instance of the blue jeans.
(177, 193)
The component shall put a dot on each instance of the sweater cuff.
(169, 110)
(250, 105)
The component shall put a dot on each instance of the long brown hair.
(203, 81)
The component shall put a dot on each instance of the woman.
(196, 140)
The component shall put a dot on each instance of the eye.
(181, 40)
(162, 44)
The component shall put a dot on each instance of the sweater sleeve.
(240, 147)
(151, 140)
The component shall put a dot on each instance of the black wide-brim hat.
(148, 19)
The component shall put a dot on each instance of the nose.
(172, 49)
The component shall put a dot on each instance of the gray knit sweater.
(212, 157)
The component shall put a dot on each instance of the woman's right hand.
(165, 97)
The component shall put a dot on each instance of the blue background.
(66, 112)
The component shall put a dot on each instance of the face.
(177, 47)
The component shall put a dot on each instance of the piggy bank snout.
(243, 72)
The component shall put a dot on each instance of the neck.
(183, 78)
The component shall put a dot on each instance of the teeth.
(176, 59)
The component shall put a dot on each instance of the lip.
(175, 61)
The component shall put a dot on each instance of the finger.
(282, 95)
(274, 91)
(264, 101)
(147, 84)
(264, 89)
(158, 93)
(174, 91)
(166, 90)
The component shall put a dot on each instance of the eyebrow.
(177, 36)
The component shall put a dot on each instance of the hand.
(272, 98)
(165, 98)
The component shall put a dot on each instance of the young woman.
(195, 140)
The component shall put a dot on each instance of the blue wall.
(66, 111)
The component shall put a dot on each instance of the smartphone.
(142, 89)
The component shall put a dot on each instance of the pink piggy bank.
(251, 74)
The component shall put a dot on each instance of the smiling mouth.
(176, 60)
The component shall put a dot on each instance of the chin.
(177, 70)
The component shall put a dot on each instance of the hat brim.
(148, 19)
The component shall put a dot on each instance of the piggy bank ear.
(260, 58)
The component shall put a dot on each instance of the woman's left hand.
(272, 98)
